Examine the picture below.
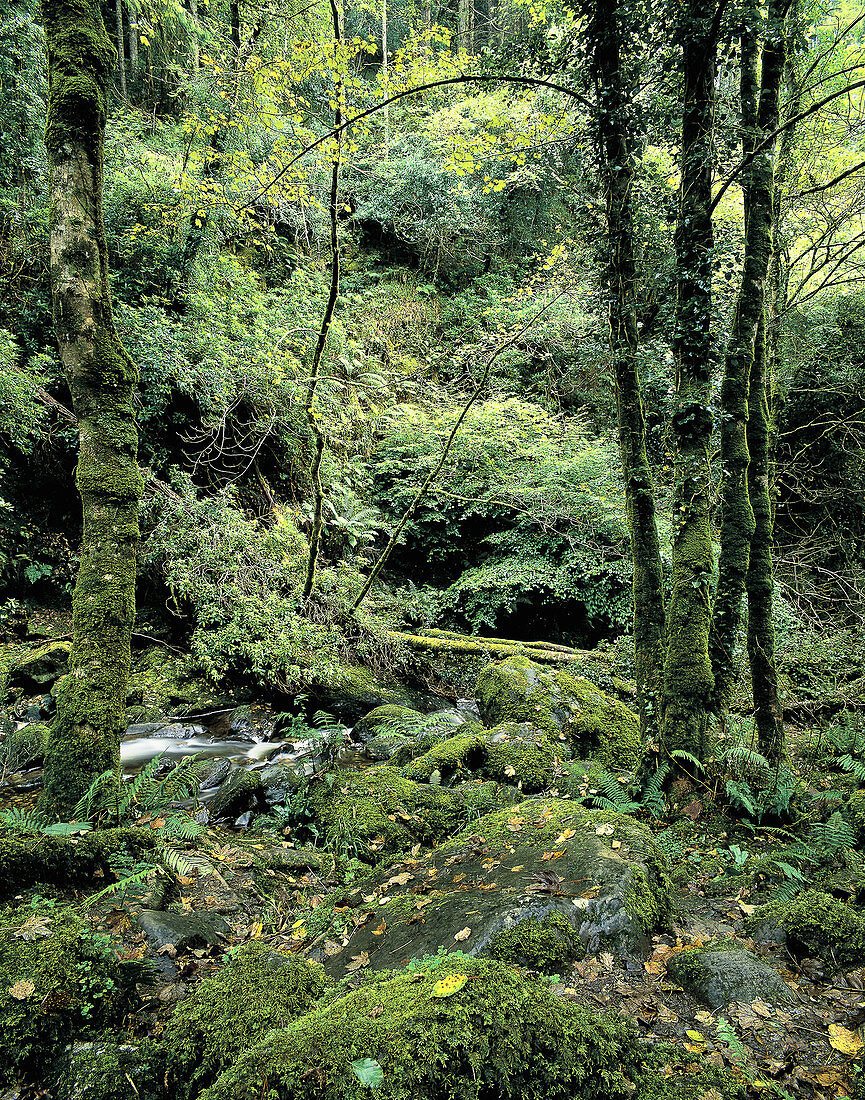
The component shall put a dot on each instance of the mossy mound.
(379, 719)
(817, 924)
(24, 747)
(563, 706)
(57, 979)
(722, 972)
(371, 813)
(164, 684)
(500, 1034)
(39, 668)
(514, 753)
(354, 691)
(256, 991)
(548, 945)
(67, 861)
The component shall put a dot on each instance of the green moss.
(500, 1034)
(24, 747)
(256, 991)
(548, 945)
(57, 979)
(378, 716)
(70, 862)
(378, 811)
(818, 924)
(561, 705)
(514, 753)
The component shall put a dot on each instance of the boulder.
(454, 1027)
(379, 720)
(41, 667)
(384, 746)
(279, 782)
(378, 811)
(182, 930)
(354, 691)
(238, 793)
(564, 706)
(514, 752)
(718, 977)
(543, 881)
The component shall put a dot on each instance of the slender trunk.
(617, 166)
(196, 50)
(311, 413)
(234, 17)
(132, 17)
(121, 60)
(688, 679)
(90, 720)
(760, 581)
(738, 525)
(384, 73)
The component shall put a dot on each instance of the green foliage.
(524, 524)
(56, 978)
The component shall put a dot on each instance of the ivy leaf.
(368, 1072)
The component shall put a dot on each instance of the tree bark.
(132, 18)
(90, 720)
(738, 523)
(688, 678)
(605, 36)
(121, 59)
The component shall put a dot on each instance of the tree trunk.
(605, 35)
(121, 60)
(90, 720)
(738, 524)
(132, 18)
(688, 679)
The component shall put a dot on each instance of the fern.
(27, 821)
(741, 796)
(850, 764)
(833, 836)
(423, 727)
(610, 794)
(124, 884)
(687, 758)
(652, 798)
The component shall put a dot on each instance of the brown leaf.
(34, 926)
(21, 990)
(845, 1040)
(400, 880)
(377, 1011)
(380, 930)
(358, 962)
(460, 937)
(331, 948)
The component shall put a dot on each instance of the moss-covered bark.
(738, 524)
(688, 678)
(605, 35)
(86, 732)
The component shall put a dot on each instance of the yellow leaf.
(446, 987)
(566, 835)
(464, 935)
(255, 930)
(845, 1040)
(21, 990)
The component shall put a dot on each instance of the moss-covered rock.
(24, 747)
(57, 979)
(538, 860)
(67, 861)
(379, 717)
(513, 752)
(723, 972)
(377, 811)
(256, 991)
(562, 705)
(817, 924)
(40, 668)
(500, 1034)
(354, 691)
(238, 793)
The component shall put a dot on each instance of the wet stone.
(719, 977)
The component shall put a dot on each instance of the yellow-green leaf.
(446, 987)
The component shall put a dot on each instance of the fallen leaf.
(34, 926)
(748, 910)
(331, 948)
(400, 880)
(566, 834)
(446, 987)
(255, 930)
(21, 990)
(168, 949)
(551, 855)
(762, 1009)
(615, 844)
(380, 930)
(377, 1011)
(606, 960)
(604, 829)
(845, 1040)
(358, 962)
(704, 1018)
(368, 1072)
(463, 935)
(421, 903)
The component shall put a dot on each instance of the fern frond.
(176, 862)
(833, 836)
(123, 884)
(653, 793)
(687, 758)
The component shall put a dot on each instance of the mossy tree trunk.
(760, 114)
(605, 34)
(85, 735)
(688, 678)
